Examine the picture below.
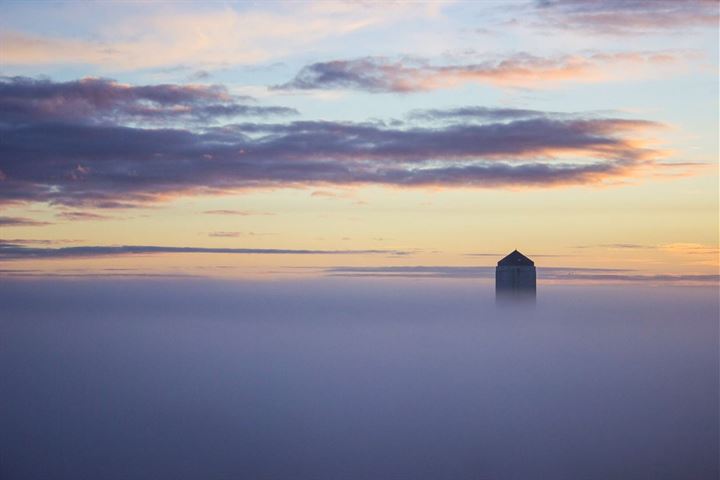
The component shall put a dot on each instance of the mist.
(348, 378)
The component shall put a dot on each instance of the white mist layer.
(355, 379)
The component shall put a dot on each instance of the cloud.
(76, 273)
(452, 271)
(618, 246)
(480, 113)
(632, 246)
(690, 249)
(225, 234)
(623, 17)
(79, 162)
(235, 212)
(199, 75)
(35, 241)
(80, 216)
(26, 100)
(574, 274)
(413, 272)
(19, 252)
(210, 37)
(21, 222)
(237, 234)
(657, 278)
(676, 248)
(386, 75)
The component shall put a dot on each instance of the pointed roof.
(515, 259)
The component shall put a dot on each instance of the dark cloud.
(75, 165)
(82, 163)
(21, 222)
(388, 75)
(96, 100)
(10, 251)
(628, 16)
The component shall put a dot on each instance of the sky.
(267, 139)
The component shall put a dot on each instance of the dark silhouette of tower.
(515, 277)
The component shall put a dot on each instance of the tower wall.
(515, 278)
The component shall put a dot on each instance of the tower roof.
(516, 259)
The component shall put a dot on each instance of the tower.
(515, 277)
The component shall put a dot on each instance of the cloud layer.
(94, 157)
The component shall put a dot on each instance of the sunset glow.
(153, 139)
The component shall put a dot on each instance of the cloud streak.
(678, 248)
(10, 251)
(35, 241)
(83, 216)
(387, 75)
(237, 234)
(241, 213)
(21, 222)
(476, 113)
